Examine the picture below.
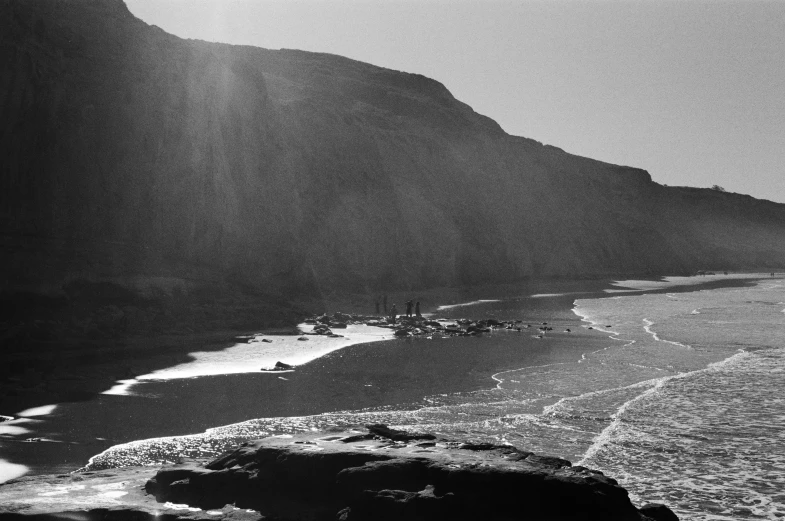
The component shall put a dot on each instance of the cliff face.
(127, 152)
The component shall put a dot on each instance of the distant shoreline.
(87, 368)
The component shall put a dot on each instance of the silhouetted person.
(377, 305)
(385, 303)
(408, 308)
(393, 313)
(417, 309)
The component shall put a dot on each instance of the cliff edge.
(132, 156)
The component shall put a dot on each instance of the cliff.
(132, 156)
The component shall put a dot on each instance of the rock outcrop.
(386, 474)
(406, 326)
(109, 495)
(160, 164)
(375, 474)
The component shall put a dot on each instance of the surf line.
(472, 303)
(606, 436)
(647, 327)
(596, 325)
(500, 381)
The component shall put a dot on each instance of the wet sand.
(395, 372)
(261, 352)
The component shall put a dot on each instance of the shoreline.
(84, 369)
(81, 373)
(339, 380)
(315, 373)
(260, 354)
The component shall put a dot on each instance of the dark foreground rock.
(375, 474)
(385, 474)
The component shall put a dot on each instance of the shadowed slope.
(128, 152)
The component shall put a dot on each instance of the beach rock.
(477, 329)
(379, 429)
(320, 329)
(302, 339)
(280, 366)
(658, 512)
(386, 474)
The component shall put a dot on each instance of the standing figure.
(393, 313)
(408, 308)
(417, 309)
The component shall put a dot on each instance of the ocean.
(680, 396)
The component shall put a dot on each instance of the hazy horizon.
(690, 91)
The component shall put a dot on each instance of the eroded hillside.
(132, 155)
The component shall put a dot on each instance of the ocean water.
(684, 404)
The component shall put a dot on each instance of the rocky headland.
(376, 473)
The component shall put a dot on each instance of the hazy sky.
(694, 92)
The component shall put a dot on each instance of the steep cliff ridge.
(134, 156)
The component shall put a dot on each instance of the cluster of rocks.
(420, 326)
(324, 324)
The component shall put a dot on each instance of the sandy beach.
(227, 385)
(261, 353)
